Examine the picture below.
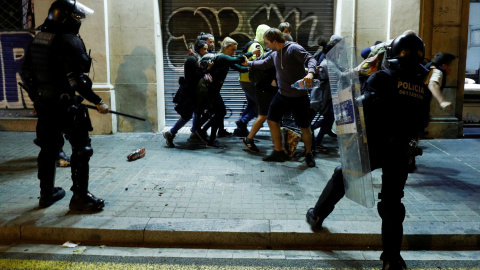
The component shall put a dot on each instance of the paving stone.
(211, 184)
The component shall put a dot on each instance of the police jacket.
(51, 60)
(396, 107)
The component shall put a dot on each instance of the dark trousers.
(324, 124)
(218, 111)
(52, 124)
(390, 207)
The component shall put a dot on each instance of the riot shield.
(352, 139)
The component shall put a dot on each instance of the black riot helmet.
(406, 51)
(65, 16)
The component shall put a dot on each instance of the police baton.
(94, 107)
(114, 112)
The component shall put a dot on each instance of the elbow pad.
(79, 82)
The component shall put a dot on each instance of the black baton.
(114, 112)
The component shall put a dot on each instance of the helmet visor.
(82, 11)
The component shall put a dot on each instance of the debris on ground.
(69, 244)
(79, 250)
(137, 154)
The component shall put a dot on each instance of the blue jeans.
(181, 123)
(251, 110)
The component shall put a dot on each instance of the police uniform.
(396, 108)
(54, 70)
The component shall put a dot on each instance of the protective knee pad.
(83, 153)
(391, 210)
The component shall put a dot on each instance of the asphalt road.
(52, 257)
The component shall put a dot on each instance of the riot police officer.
(396, 105)
(54, 69)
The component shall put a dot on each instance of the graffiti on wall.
(184, 24)
(13, 46)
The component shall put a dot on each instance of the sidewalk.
(192, 196)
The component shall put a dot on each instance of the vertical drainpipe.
(354, 34)
(113, 104)
(354, 23)
(159, 66)
(389, 19)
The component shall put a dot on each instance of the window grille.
(16, 15)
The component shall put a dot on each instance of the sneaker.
(214, 144)
(224, 133)
(48, 199)
(202, 136)
(250, 145)
(310, 160)
(278, 156)
(63, 160)
(241, 130)
(240, 125)
(82, 201)
(169, 139)
(240, 133)
(63, 163)
(194, 138)
(322, 149)
(313, 220)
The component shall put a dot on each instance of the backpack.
(245, 48)
(203, 63)
(444, 73)
(371, 65)
(204, 95)
(256, 75)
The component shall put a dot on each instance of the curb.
(233, 234)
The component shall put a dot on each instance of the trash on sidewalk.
(290, 140)
(137, 154)
(103, 246)
(63, 163)
(69, 244)
(79, 250)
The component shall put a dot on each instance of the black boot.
(82, 199)
(49, 194)
(331, 194)
(48, 198)
(86, 201)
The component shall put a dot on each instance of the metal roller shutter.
(183, 20)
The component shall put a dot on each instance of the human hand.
(210, 64)
(245, 62)
(208, 77)
(102, 107)
(446, 105)
(308, 81)
(256, 51)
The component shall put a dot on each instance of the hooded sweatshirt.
(261, 29)
(290, 63)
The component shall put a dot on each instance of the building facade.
(139, 47)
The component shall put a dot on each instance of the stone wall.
(444, 26)
(133, 67)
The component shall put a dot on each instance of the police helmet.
(66, 15)
(406, 48)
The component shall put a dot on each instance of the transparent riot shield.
(352, 139)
